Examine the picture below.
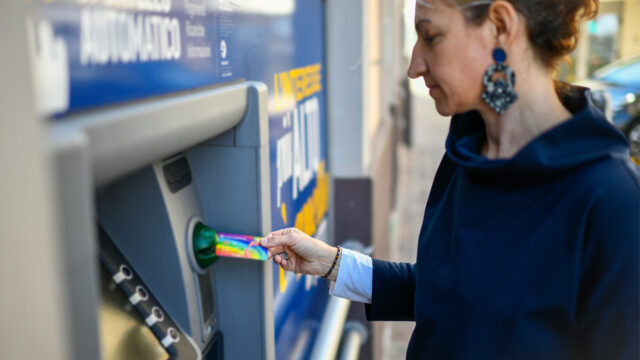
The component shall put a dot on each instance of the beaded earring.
(499, 92)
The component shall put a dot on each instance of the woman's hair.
(552, 25)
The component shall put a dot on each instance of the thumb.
(279, 237)
(271, 241)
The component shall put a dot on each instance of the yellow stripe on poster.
(283, 209)
(283, 281)
(314, 210)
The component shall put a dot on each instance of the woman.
(529, 243)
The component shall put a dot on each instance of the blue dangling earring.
(499, 93)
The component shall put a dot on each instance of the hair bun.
(553, 25)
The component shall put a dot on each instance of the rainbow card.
(240, 246)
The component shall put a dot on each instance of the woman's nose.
(417, 66)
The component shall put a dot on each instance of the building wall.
(630, 29)
(365, 72)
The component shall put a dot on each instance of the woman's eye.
(429, 39)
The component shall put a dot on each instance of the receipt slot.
(153, 171)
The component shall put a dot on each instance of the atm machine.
(154, 215)
(151, 190)
(164, 116)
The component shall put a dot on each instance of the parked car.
(615, 89)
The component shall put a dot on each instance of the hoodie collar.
(585, 138)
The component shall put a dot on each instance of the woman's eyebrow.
(420, 22)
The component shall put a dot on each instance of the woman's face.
(451, 56)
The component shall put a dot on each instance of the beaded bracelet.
(335, 261)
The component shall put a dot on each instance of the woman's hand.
(304, 254)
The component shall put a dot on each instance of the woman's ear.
(505, 20)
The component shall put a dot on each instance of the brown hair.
(552, 25)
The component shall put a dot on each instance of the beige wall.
(372, 66)
(628, 41)
(630, 29)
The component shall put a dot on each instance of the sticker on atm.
(240, 246)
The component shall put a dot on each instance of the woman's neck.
(536, 110)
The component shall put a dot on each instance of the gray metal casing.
(238, 201)
(119, 152)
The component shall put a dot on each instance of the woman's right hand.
(304, 254)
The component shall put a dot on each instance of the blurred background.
(133, 130)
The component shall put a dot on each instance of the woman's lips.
(432, 88)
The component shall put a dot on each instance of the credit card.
(240, 246)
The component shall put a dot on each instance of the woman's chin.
(443, 109)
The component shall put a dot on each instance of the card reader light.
(204, 245)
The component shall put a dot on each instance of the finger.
(277, 261)
(281, 233)
(286, 264)
(278, 232)
(271, 241)
(275, 251)
(265, 242)
(283, 254)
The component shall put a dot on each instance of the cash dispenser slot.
(147, 173)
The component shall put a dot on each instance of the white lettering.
(306, 142)
(49, 66)
(160, 6)
(194, 52)
(194, 30)
(109, 36)
(284, 163)
(298, 151)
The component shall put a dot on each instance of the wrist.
(334, 273)
(331, 263)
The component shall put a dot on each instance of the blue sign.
(89, 54)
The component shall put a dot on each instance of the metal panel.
(129, 137)
(114, 143)
(73, 177)
(34, 300)
(233, 185)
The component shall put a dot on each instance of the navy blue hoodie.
(532, 257)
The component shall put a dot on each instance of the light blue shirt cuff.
(355, 277)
